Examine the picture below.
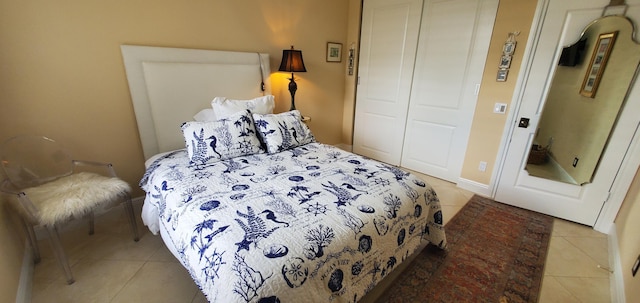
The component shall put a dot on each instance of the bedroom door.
(388, 42)
(563, 22)
(452, 50)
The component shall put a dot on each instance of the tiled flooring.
(110, 267)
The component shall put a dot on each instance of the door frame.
(630, 164)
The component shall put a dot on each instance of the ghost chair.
(49, 189)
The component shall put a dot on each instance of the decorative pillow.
(224, 107)
(213, 141)
(282, 131)
(206, 114)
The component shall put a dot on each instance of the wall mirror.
(586, 94)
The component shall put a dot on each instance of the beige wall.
(62, 75)
(627, 229)
(11, 253)
(353, 38)
(487, 127)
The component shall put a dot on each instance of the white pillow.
(205, 115)
(224, 107)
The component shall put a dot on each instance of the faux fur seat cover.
(74, 196)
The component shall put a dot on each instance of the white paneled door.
(388, 43)
(452, 50)
(561, 25)
(420, 67)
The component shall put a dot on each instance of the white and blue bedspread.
(310, 224)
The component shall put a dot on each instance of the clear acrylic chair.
(49, 188)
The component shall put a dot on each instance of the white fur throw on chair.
(74, 196)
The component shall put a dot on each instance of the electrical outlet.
(575, 162)
(482, 166)
(634, 269)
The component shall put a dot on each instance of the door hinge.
(606, 198)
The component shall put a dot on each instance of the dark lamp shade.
(292, 61)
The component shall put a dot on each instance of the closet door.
(454, 41)
(388, 45)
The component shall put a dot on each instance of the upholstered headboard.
(170, 85)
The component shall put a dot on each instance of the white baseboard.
(616, 280)
(346, 147)
(474, 187)
(23, 294)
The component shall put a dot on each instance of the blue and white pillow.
(213, 141)
(282, 131)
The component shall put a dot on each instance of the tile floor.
(110, 267)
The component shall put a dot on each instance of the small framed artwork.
(509, 47)
(334, 52)
(597, 64)
(505, 62)
(502, 75)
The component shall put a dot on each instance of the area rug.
(495, 253)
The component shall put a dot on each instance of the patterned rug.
(495, 253)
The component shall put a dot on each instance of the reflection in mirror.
(588, 90)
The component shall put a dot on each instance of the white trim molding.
(616, 280)
(475, 187)
(347, 147)
(620, 186)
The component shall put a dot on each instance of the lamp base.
(293, 87)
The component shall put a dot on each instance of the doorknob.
(524, 122)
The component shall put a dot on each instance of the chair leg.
(59, 252)
(128, 206)
(92, 224)
(33, 240)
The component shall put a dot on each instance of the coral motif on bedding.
(282, 131)
(311, 222)
(212, 141)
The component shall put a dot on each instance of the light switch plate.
(500, 108)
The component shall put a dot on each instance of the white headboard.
(170, 85)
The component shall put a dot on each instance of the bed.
(250, 203)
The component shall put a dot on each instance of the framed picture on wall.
(597, 64)
(505, 61)
(502, 75)
(509, 47)
(334, 52)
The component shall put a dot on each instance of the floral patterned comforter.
(312, 224)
